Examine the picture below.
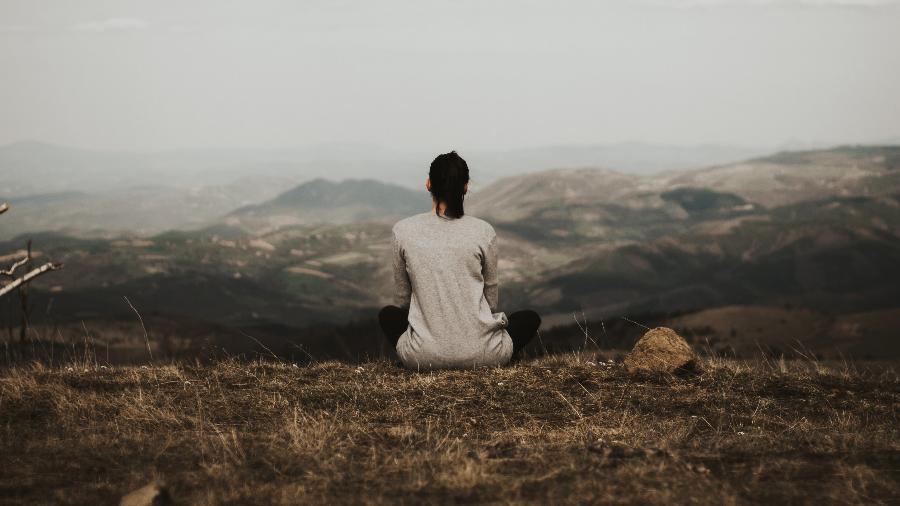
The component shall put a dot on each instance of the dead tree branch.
(50, 266)
(12, 269)
(21, 283)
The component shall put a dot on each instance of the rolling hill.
(142, 210)
(773, 181)
(607, 243)
(323, 201)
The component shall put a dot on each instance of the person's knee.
(389, 310)
(529, 317)
(383, 313)
(393, 319)
(388, 316)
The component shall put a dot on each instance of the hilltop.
(567, 429)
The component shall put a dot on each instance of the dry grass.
(563, 429)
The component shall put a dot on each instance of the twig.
(541, 341)
(584, 330)
(261, 344)
(583, 317)
(636, 323)
(299, 347)
(146, 334)
(12, 269)
(28, 277)
(603, 326)
(571, 406)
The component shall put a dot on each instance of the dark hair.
(449, 175)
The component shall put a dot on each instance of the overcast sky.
(428, 75)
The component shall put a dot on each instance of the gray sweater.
(445, 269)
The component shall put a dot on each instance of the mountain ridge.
(322, 200)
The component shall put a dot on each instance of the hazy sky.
(428, 75)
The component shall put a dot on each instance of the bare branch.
(19, 263)
(28, 277)
(4, 207)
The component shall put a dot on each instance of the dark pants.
(522, 326)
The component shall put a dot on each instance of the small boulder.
(154, 494)
(661, 350)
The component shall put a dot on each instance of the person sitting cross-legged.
(445, 312)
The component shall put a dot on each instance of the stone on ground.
(154, 494)
(661, 350)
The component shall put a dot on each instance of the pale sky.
(424, 75)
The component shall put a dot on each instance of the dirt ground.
(572, 428)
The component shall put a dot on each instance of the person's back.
(446, 312)
(447, 276)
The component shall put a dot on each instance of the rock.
(154, 494)
(661, 350)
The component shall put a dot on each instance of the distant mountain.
(141, 210)
(323, 201)
(32, 167)
(599, 199)
(837, 257)
(815, 231)
(817, 227)
(797, 176)
(627, 157)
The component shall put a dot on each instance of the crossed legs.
(393, 321)
(522, 325)
(522, 328)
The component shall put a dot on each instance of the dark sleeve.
(402, 286)
(489, 273)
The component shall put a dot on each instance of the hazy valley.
(797, 250)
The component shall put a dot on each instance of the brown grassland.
(570, 428)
